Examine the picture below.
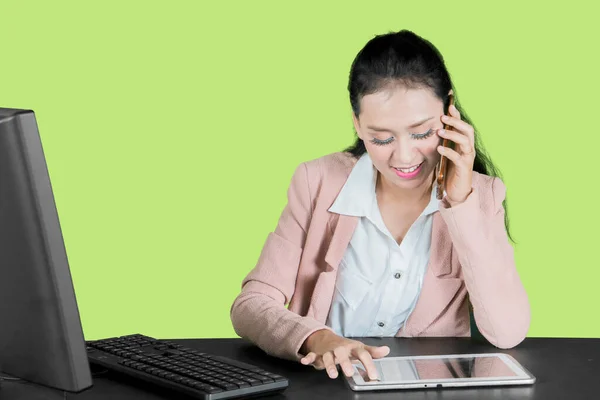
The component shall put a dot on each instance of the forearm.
(500, 303)
(272, 327)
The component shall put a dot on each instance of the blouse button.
(381, 324)
(397, 275)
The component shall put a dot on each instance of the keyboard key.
(252, 381)
(228, 386)
(211, 389)
(238, 364)
(263, 379)
(275, 377)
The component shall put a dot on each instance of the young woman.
(363, 247)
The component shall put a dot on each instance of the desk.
(565, 369)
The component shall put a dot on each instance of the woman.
(364, 248)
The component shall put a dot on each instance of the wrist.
(311, 339)
(455, 202)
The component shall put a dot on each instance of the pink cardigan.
(471, 258)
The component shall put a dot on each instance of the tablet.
(455, 370)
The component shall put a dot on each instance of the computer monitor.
(41, 338)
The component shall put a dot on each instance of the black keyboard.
(185, 370)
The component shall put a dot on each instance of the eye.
(382, 142)
(420, 136)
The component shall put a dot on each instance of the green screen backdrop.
(172, 131)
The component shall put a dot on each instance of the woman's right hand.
(324, 350)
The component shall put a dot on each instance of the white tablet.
(456, 370)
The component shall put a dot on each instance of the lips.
(409, 169)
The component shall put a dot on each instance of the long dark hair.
(404, 58)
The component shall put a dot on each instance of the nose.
(405, 151)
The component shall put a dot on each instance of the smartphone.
(443, 164)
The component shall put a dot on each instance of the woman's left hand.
(459, 174)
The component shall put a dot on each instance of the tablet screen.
(439, 368)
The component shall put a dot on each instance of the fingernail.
(445, 117)
(441, 131)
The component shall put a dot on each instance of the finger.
(459, 125)
(330, 365)
(454, 111)
(378, 351)
(318, 364)
(363, 374)
(347, 366)
(342, 358)
(455, 136)
(309, 358)
(450, 154)
(365, 358)
(466, 146)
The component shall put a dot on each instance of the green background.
(171, 133)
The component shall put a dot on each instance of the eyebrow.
(375, 128)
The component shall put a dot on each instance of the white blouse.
(378, 281)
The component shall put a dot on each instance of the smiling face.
(399, 129)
